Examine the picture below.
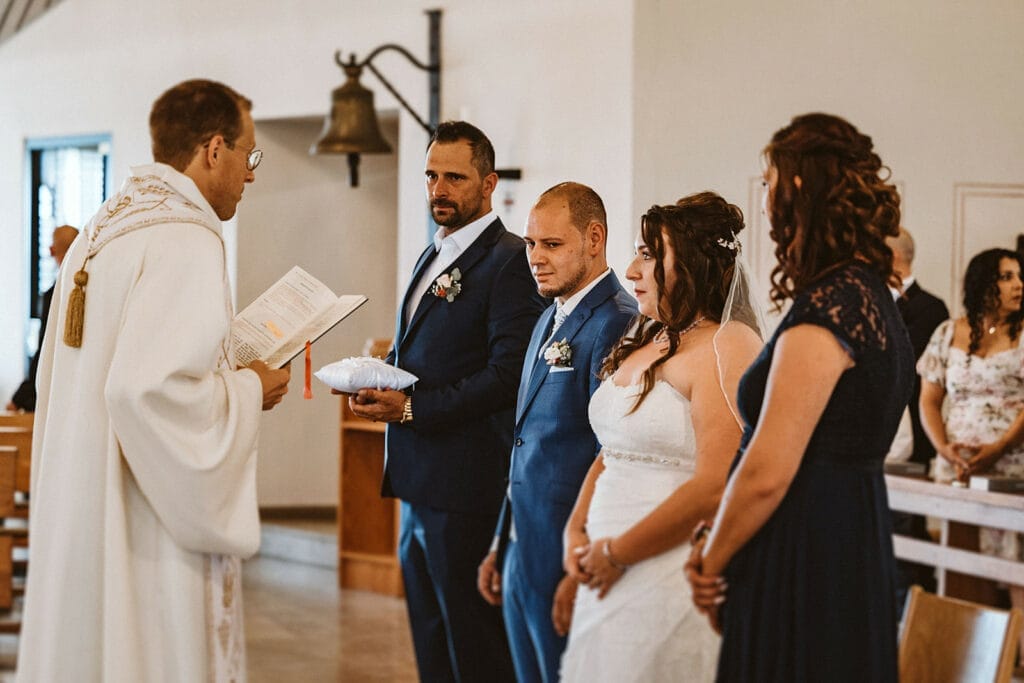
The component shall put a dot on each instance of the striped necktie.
(560, 316)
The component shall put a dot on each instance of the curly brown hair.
(700, 229)
(981, 294)
(189, 115)
(840, 209)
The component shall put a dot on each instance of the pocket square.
(560, 368)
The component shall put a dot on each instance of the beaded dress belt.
(646, 459)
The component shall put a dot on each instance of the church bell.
(351, 128)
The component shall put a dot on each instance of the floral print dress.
(985, 396)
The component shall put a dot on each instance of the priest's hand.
(488, 579)
(274, 382)
(379, 406)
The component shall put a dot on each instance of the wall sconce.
(351, 127)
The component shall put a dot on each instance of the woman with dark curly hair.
(668, 432)
(978, 361)
(798, 569)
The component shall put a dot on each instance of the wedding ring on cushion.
(646, 459)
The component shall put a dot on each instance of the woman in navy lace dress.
(801, 548)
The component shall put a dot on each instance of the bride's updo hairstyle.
(841, 207)
(701, 230)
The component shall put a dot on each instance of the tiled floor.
(311, 542)
(300, 627)
(327, 527)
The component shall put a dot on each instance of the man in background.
(566, 238)
(25, 397)
(922, 312)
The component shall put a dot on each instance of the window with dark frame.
(68, 180)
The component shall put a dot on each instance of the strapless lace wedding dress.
(646, 628)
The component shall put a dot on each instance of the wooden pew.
(16, 419)
(20, 438)
(8, 459)
(10, 612)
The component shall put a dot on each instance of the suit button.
(519, 442)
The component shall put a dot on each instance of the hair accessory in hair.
(732, 245)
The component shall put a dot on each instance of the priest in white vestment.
(143, 494)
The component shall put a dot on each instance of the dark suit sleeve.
(513, 311)
(931, 315)
(25, 397)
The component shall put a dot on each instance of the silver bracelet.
(607, 552)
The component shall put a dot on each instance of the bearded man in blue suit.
(462, 329)
(566, 235)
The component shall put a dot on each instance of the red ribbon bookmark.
(307, 387)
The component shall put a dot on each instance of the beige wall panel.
(984, 216)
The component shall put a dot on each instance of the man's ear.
(214, 150)
(489, 183)
(596, 235)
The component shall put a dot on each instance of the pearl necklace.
(662, 336)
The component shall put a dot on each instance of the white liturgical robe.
(144, 470)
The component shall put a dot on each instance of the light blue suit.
(554, 447)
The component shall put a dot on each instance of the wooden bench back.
(945, 640)
(9, 419)
(20, 438)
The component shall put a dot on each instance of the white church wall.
(930, 81)
(306, 214)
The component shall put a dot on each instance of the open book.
(298, 307)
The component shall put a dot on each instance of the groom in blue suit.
(462, 329)
(554, 446)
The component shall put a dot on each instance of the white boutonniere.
(447, 285)
(559, 354)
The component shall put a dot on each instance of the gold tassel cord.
(75, 319)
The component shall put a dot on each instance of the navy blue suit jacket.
(468, 355)
(922, 312)
(554, 444)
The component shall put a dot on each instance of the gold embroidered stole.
(143, 201)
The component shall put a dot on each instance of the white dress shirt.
(563, 309)
(904, 286)
(448, 250)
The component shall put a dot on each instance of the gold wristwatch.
(406, 411)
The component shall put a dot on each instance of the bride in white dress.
(665, 416)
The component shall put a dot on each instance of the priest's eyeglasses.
(254, 159)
